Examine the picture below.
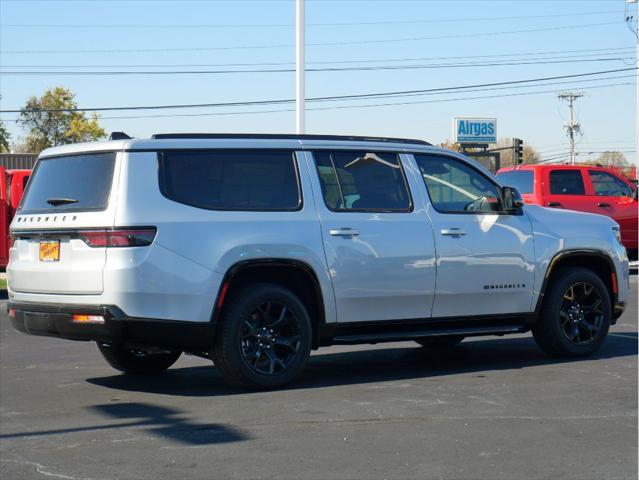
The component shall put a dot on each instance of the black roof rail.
(277, 136)
(119, 136)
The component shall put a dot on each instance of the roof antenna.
(119, 136)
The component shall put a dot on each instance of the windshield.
(522, 180)
(77, 182)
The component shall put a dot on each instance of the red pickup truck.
(584, 188)
(12, 185)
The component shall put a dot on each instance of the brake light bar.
(118, 237)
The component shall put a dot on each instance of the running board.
(379, 337)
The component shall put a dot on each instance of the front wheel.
(575, 315)
(134, 361)
(264, 338)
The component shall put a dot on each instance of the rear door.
(66, 195)
(566, 188)
(379, 245)
(612, 196)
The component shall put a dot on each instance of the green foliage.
(47, 128)
(4, 139)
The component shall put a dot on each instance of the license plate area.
(49, 251)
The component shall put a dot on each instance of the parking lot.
(491, 408)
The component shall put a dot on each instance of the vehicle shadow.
(161, 421)
(374, 365)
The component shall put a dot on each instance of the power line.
(525, 55)
(292, 70)
(329, 98)
(290, 25)
(318, 44)
(340, 107)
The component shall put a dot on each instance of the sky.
(440, 44)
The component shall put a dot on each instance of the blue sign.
(474, 130)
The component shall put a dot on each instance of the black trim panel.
(396, 330)
(55, 321)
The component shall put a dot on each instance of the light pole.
(300, 94)
(629, 19)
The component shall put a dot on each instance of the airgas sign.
(474, 130)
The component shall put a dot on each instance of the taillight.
(119, 237)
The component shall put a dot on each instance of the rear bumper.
(55, 320)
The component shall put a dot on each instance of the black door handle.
(554, 204)
(603, 205)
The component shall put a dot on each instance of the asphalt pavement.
(492, 408)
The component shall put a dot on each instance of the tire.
(447, 341)
(137, 361)
(573, 324)
(263, 339)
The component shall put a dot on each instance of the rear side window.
(607, 184)
(362, 181)
(77, 182)
(260, 180)
(522, 180)
(566, 182)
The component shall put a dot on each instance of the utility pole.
(572, 127)
(635, 31)
(300, 67)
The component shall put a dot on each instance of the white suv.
(251, 250)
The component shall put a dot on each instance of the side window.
(261, 180)
(454, 187)
(566, 182)
(367, 181)
(606, 184)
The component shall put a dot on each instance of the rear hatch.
(67, 196)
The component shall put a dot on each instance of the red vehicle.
(12, 185)
(584, 188)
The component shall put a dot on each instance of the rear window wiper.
(61, 201)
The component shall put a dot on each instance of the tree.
(50, 120)
(611, 157)
(4, 139)
(529, 154)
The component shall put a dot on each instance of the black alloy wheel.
(575, 315)
(264, 337)
(270, 338)
(581, 313)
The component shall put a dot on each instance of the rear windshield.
(77, 182)
(522, 180)
(263, 180)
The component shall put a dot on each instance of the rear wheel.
(575, 315)
(446, 341)
(138, 361)
(264, 339)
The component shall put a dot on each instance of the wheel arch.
(595, 260)
(295, 275)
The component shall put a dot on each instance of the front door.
(485, 258)
(379, 246)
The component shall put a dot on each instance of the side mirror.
(511, 200)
